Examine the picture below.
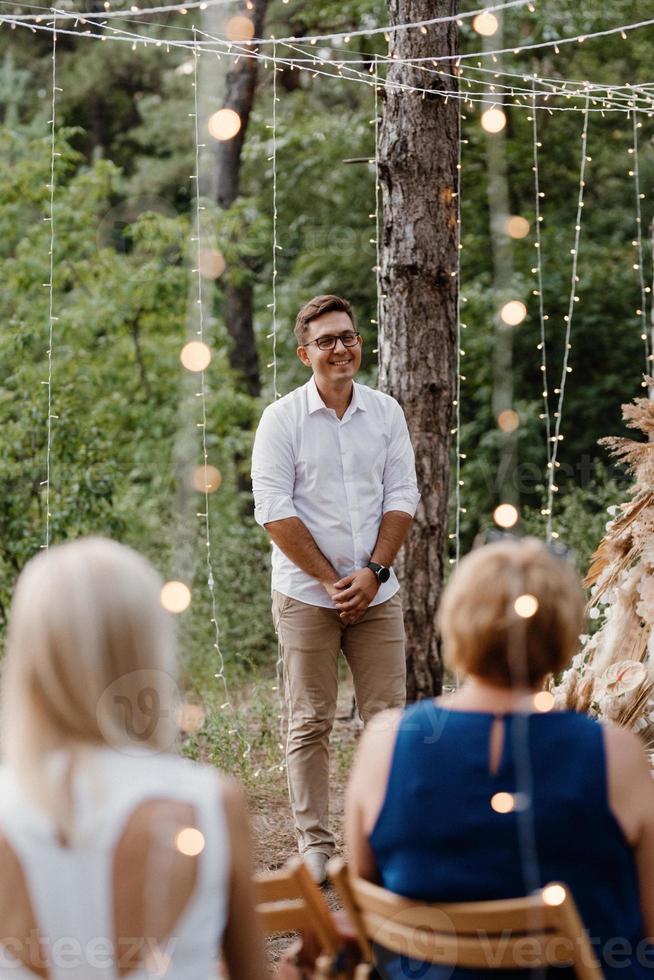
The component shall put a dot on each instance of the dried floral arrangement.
(613, 674)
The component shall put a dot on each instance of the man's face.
(335, 366)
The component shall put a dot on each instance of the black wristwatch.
(383, 574)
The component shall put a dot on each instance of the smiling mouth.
(337, 363)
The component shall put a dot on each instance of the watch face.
(384, 574)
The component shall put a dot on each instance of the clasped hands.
(353, 594)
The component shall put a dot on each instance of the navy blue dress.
(437, 837)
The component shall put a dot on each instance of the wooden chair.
(290, 901)
(541, 930)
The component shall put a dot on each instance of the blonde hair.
(482, 632)
(90, 662)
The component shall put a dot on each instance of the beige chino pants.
(311, 638)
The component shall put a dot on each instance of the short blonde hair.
(90, 660)
(482, 633)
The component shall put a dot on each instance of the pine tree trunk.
(241, 88)
(418, 150)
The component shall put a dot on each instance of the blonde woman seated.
(423, 817)
(117, 857)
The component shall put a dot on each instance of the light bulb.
(516, 226)
(485, 24)
(513, 312)
(195, 356)
(508, 420)
(206, 479)
(543, 701)
(239, 28)
(224, 124)
(493, 120)
(175, 597)
(502, 802)
(526, 605)
(505, 515)
(554, 895)
(211, 263)
(190, 841)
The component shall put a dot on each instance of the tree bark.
(418, 155)
(241, 86)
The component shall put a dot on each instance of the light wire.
(565, 370)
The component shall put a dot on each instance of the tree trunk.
(241, 86)
(418, 151)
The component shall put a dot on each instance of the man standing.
(334, 486)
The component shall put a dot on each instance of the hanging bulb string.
(539, 279)
(642, 312)
(223, 48)
(50, 286)
(378, 222)
(566, 369)
(459, 344)
(200, 332)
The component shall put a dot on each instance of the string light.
(378, 230)
(239, 28)
(219, 674)
(175, 597)
(503, 802)
(206, 479)
(554, 895)
(485, 24)
(398, 28)
(190, 841)
(538, 271)
(50, 284)
(195, 356)
(565, 370)
(224, 124)
(516, 227)
(544, 701)
(211, 263)
(508, 420)
(275, 243)
(642, 312)
(526, 605)
(513, 312)
(459, 346)
(505, 515)
(364, 78)
(493, 120)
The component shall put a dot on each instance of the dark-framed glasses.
(348, 339)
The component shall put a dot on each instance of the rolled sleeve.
(273, 469)
(400, 483)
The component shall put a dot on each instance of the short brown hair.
(315, 308)
(482, 633)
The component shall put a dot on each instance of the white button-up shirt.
(339, 476)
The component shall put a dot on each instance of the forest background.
(125, 437)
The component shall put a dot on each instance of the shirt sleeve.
(400, 483)
(273, 469)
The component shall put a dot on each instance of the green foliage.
(126, 437)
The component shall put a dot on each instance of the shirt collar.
(315, 402)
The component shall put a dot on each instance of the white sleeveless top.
(71, 887)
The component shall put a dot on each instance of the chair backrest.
(290, 901)
(544, 929)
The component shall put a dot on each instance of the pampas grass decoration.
(613, 674)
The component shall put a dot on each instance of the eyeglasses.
(348, 339)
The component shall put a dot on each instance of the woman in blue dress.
(489, 794)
